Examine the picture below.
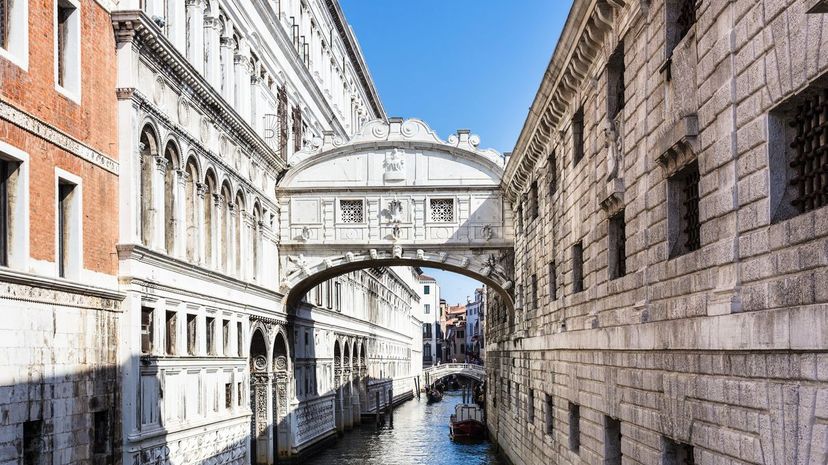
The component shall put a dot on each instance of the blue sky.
(472, 64)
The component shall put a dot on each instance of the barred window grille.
(351, 211)
(578, 136)
(809, 154)
(685, 189)
(442, 210)
(552, 174)
(686, 18)
(615, 74)
(618, 244)
(4, 12)
(282, 117)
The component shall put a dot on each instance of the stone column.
(216, 223)
(242, 70)
(212, 45)
(227, 69)
(180, 214)
(158, 197)
(195, 33)
(230, 247)
(261, 398)
(177, 25)
(201, 233)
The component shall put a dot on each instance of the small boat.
(433, 395)
(467, 423)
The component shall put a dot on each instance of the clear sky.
(472, 64)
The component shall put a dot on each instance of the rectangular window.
(578, 267)
(615, 82)
(239, 340)
(101, 441)
(225, 337)
(533, 201)
(530, 406)
(683, 210)
(553, 281)
(170, 333)
(426, 290)
(676, 453)
(578, 136)
(519, 219)
(228, 395)
(147, 330)
(574, 427)
(66, 218)
(442, 210)
(239, 387)
(35, 450)
(338, 296)
(5, 200)
(4, 23)
(427, 330)
(209, 329)
(517, 400)
(191, 334)
(612, 441)
(534, 295)
(552, 172)
(351, 211)
(617, 239)
(681, 16)
(550, 415)
(798, 183)
(67, 46)
(427, 309)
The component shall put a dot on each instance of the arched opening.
(209, 217)
(226, 221)
(171, 158)
(148, 150)
(191, 208)
(239, 233)
(258, 398)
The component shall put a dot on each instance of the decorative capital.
(161, 164)
(201, 189)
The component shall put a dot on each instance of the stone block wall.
(716, 352)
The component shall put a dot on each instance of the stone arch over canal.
(395, 194)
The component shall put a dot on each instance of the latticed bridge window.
(442, 210)
(351, 211)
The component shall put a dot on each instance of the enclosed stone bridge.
(469, 370)
(395, 194)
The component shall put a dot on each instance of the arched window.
(224, 242)
(239, 227)
(171, 157)
(148, 150)
(208, 218)
(191, 209)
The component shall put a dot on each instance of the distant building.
(454, 343)
(430, 293)
(474, 321)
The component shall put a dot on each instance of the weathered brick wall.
(720, 348)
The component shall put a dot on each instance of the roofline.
(355, 54)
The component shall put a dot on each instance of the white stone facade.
(430, 290)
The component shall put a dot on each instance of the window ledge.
(21, 62)
(69, 94)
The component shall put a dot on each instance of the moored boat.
(434, 395)
(467, 423)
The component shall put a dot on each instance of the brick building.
(58, 228)
(671, 253)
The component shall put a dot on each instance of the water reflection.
(420, 437)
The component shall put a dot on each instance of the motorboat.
(467, 423)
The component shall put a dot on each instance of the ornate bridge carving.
(437, 372)
(395, 194)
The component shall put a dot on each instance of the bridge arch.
(468, 370)
(395, 194)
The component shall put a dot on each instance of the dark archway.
(258, 398)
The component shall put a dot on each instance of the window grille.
(533, 201)
(553, 281)
(4, 26)
(809, 158)
(552, 174)
(442, 210)
(578, 136)
(578, 267)
(351, 211)
(618, 244)
(686, 18)
(297, 129)
(282, 117)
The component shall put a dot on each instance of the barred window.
(4, 20)
(798, 155)
(617, 246)
(681, 16)
(615, 82)
(442, 210)
(551, 173)
(351, 211)
(533, 201)
(685, 227)
(578, 267)
(578, 136)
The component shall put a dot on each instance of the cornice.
(355, 54)
(581, 42)
(136, 28)
(50, 288)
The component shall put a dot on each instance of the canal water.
(420, 437)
